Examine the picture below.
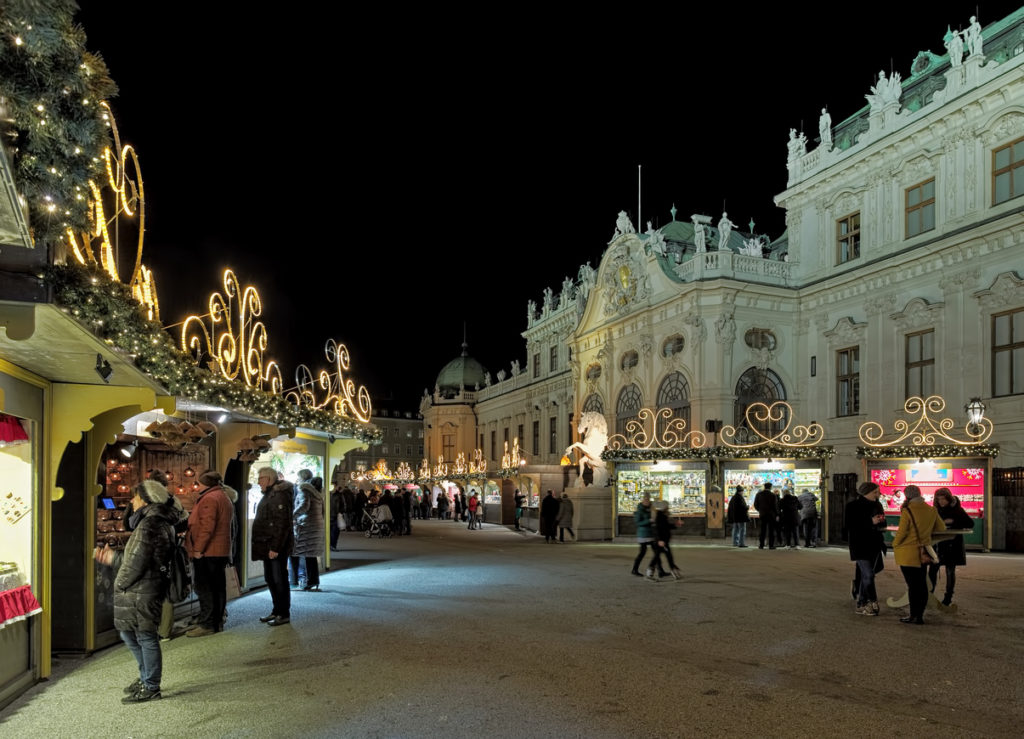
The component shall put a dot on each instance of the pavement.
(495, 633)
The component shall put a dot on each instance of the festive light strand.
(924, 431)
(760, 416)
(340, 393)
(642, 432)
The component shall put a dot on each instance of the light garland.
(511, 461)
(341, 395)
(758, 415)
(718, 453)
(924, 431)
(234, 355)
(638, 436)
(933, 451)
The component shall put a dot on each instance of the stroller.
(377, 521)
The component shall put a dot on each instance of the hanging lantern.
(189, 472)
(170, 475)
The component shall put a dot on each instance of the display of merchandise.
(753, 480)
(684, 490)
(16, 599)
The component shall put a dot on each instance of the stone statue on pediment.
(656, 240)
(700, 232)
(566, 294)
(972, 35)
(531, 311)
(725, 227)
(885, 92)
(623, 226)
(825, 129)
(955, 46)
(797, 144)
(549, 300)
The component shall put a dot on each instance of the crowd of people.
(786, 517)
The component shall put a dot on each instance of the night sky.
(384, 177)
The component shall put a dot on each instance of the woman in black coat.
(549, 516)
(140, 585)
(737, 515)
(952, 552)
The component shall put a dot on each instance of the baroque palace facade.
(899, 275)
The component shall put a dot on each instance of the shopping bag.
(231, 582)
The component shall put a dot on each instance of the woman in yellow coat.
(917, 522)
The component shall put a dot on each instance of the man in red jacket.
(208, 543)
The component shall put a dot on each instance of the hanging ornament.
(189, 472)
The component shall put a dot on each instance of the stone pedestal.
(592, 513)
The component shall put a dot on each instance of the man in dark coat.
(736, 514)
(549, 516)
(864, 523)
(337, 506)
(272, 541)
(140, 585)
(357, 510)
(767, 506)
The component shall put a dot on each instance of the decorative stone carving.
(846, 332)
(883, 304)
(972, 35)
(515, 367)
(955, 282)
(955, 46)
(918, 314)
(725, 329)
(885, 92)
(725, 227)
(501, 375)
(700, 232)
(700, 329)
(625, 280)
(656, 241)
(1007, 291)
(622, 226)
(566, 294)
(645, 346)
(797, 145)
(531, 312)
(549, 300)
(1008, 126)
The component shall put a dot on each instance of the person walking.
(808, 518)
(308, 529)
(565, 515)
(208, 544)
(789, 514)
(337, 506)
(864, 523)
(358, 506)
(952, 552)
(662, 536)
(272, 537)
(519, 499)
(910, 545)
(473, 506)
(767, 506)
(549, 516)
(737, 515)
(644, 537)
(140, 585)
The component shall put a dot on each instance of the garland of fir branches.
(107, 309)
(934, 451)
(51, 120)
(718, 452)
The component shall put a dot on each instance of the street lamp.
(975, 410)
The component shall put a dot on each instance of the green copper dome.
(462, 371)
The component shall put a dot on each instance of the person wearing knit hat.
(140, 586)
(864, 522)
(918, 521)
(208, 543)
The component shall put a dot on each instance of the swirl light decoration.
(404, 472)
(760, 416)
(639, 436)
(460, 468)
(340, 394)
(512, 461)
(234, 355)
(129, 200)
(479, 465)
(441, 468)
(924, 431)
(424, 470)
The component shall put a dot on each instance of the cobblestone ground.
(494, 633)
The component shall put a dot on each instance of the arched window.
(628, 407)
(593, 372)
(759, 385)
(593, 404)
(674, 394)
(760, 338)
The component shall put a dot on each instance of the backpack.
(178, 572)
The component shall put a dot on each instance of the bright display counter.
(683, 485)
(752, 474)
(966, 478)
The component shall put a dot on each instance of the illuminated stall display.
(17, 602)
(924, 452)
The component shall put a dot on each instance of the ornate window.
(1008, 353)
(629, 360)
(673, 345)
(593, 372)
(1008, 172)
(848, 381)
(553, 359)
(758, 385)
(593, 404)
(920, 208)
(674, 394)
(920, 364)
(760, 338)
(628, 407)
(848, 238)
(536, 365)
(536, 438)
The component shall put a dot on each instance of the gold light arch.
(95, 247)
(924, 431)
(235, 340)
(340, 393)
(642, 432)
(761, 415)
